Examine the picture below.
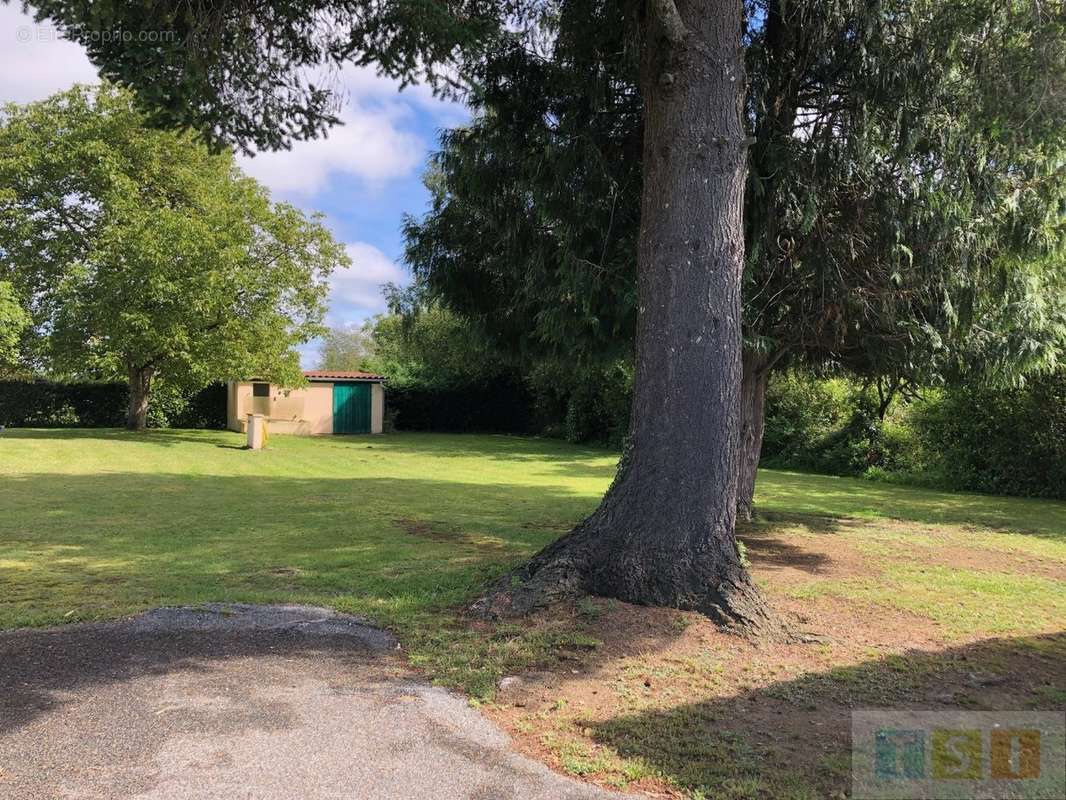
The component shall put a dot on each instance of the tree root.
(559, 572)
(572, 568)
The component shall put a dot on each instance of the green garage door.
(351, 408)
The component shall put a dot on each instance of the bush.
(1009, 441)
(810, 423)
(972, 438)
(172, 407)
(51, 404)
(902, 454)
(499, 405)
(589, 404)
(46, 404)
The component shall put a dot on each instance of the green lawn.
(102, 523)
(97, 524)
(405, 528)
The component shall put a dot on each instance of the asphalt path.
(236, 701)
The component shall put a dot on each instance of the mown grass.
(964, 602)
(400, 528)
(405, 529)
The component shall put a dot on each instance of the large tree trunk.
(752, 414)
(663, 534)
(140, 385)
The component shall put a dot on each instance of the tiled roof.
(342, 376)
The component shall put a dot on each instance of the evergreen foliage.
(904, 205)
(100, 404)
(50, 404)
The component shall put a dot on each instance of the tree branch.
(669, 19)
(77, 230)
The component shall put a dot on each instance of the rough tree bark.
(663, 534)
(755, 372)
(137, 411)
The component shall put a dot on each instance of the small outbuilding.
(332, 402)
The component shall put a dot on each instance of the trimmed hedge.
(583, 405)
(502, 405)
(50, 404)
(45, 404)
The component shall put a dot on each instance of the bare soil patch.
(668, 705)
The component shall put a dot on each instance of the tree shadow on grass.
(767, 741)
(498, 446)
(812, 523)
(768, 552)
(112, 540)
(809, 495)
(825, 495)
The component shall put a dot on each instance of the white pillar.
(256, 431)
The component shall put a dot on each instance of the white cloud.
(370, 145)
(365, 82)
(355, 292)
(34, 61)
(375, 144)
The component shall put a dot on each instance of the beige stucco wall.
(304, 412)
(377, 407)
(232, 406)
(239, 405)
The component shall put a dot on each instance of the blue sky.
(363, 177)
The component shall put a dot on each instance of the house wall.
(377, 408)
(304, 412)
(232, 421)
(239, 405)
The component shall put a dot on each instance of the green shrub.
(973, 438)
(48, 404)
(174, 407)
(801, 410)
(589, 404)
(1003, 441)
(810, 424)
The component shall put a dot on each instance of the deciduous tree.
(13, 322)
(344, 348)
(144, 255)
